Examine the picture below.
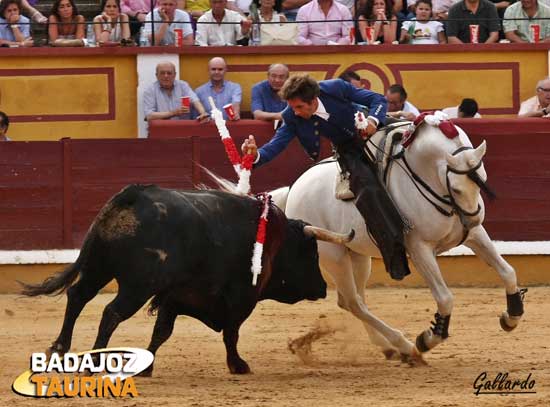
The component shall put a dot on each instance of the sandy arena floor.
(346, 369)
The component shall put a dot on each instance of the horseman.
(328, 109)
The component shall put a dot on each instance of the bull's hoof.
(55, 348)
(414, 358)
(238, 367)
(504, 322)
(147, 372)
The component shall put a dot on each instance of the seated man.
(223, 92)
(230, 26)
(527, 13)
(162, 100)
(4, 125)
(14, 28)
(480, 13)
(398, 106)
(168, 18)
(334, 31)
(266, 103)
(538, 105)
(467, 109)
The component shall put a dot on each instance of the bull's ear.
(329, 236)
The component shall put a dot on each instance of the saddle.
(389, 146)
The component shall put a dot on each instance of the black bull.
(191, 251)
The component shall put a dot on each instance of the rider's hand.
(370, 130)
(249, 147)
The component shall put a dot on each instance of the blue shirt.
(156, 99)
(231, 93)
(264, 98)
(7, 34)
(181, 21)
(338, 98)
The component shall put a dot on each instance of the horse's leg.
(480, 242)
(423, 258)
(362, 268)
(341, 269)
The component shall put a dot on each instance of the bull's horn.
(328, 236)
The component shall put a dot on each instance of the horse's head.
(465, 176)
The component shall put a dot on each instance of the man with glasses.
(4, 124)
(538, 105)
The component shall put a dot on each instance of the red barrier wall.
(51, 191)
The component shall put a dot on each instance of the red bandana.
(446, 126)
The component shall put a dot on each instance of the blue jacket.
(338, 97)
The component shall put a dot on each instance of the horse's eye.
(456, 191)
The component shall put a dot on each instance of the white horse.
(454, 173)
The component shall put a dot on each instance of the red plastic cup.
(535, 33)
(474, 33)
(186, 101)
(370, 35)
(352, 35)
(178, 32)
(229, 110)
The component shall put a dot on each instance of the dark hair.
(368, 10)
(428, 2)
(5, 3)
(349, 75)
(55, 9)
(4, 120)
(468, 107)
(397, 88)
(303, 87)
(103, 2)
(278, 6)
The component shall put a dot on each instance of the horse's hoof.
(414, 359)
(421, 343)
(504, 323)
(390, 354)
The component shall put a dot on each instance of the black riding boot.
(383, 221)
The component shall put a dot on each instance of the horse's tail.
(279, 197)
(59, 282)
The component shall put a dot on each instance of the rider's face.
(303, 109)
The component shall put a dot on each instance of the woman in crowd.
(378, 16)
(111, 26)
(423, 30)
(273, 34)
(66, 27)
(14, 28)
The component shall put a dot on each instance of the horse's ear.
(452, 160)
(479, 152)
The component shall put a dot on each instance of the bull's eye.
(456, 191)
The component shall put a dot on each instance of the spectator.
(527, 13)
(335, 30)
(378, 15)
(71, 31)
(440, 8)
(467, 109)
(538, 105)
(398, 106)
(353, 78)
(482, 13)
(168, 18)
(223, 92)
(423, 30)
(234, 28)
(196, 8)
(162, 100)
(111, 25)
(14, 28)
(4, 125)
(274, 34)
(266, 101)
(137, 11)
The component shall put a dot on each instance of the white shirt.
(219, 34)
(452, 112)
(410, 108)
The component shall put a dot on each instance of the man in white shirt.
(398, 107)
(538, 105)
(211, 31)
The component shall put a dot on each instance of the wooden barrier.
(51, 191)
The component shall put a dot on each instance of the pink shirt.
(322, 32)
(131, 7)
